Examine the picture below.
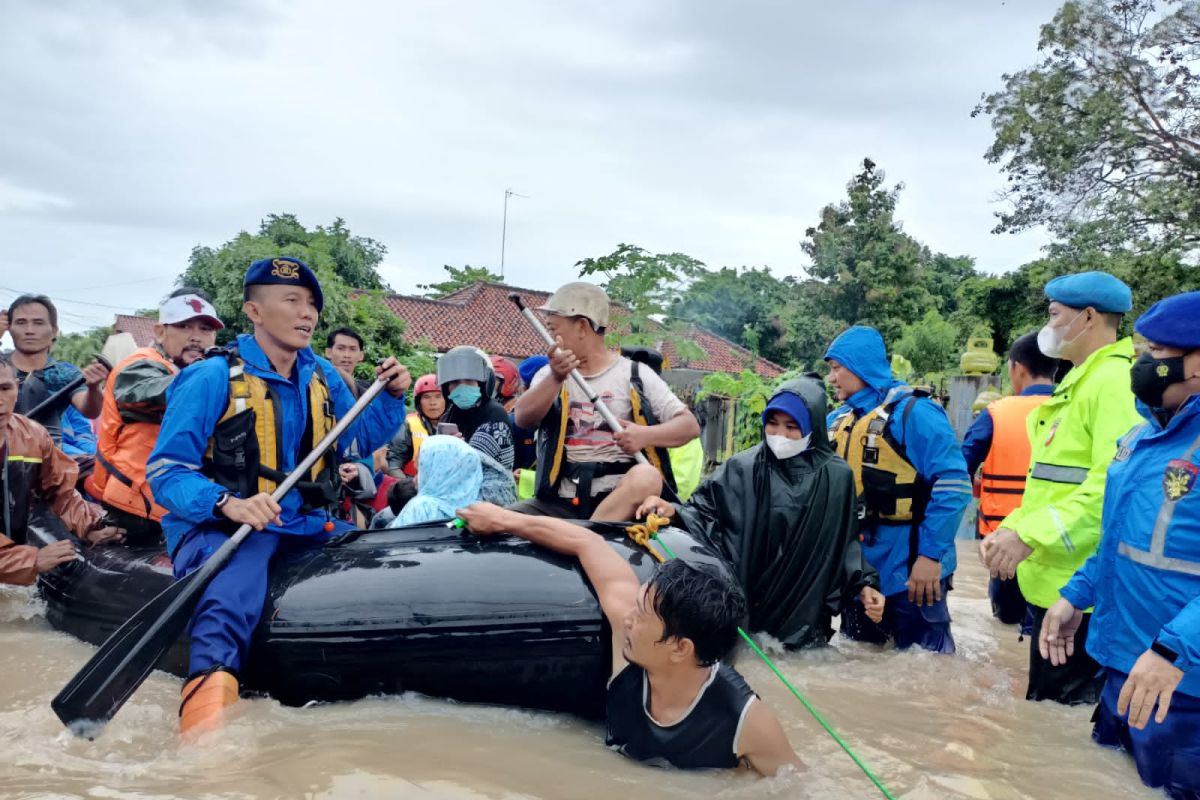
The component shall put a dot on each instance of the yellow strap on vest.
(853, 439)
(640, 418)
(560, 449)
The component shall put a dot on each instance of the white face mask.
(784, 448)
(1050, 338)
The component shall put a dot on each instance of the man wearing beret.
(1145, 580)
(234, 427)
(1073, 437)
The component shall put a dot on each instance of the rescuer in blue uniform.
(235, 425)
(1144, 581)
(912, 485)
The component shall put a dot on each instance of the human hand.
(396, 375)
(1003, 551)
(634, 438)
(105, 535)
(94, 374)
(54, 554)
(485, 518)
(562, 360)
(654, 505)
(925, 582)
(1151, 681)
(1056, 642)
(873, 602)
(348, 472)
(258, 511)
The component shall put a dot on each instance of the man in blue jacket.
(1144, 581)
(236, 424)
(912, 485)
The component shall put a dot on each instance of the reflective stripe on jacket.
(1002, 477)
(1145, 579)
(1074, 436)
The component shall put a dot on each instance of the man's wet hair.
(1025, 351)
(30, 299)
(186, 290)
(333, 334)
(699, 605)
(5, 364)
(400, 493)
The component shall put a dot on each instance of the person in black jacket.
(784, 514)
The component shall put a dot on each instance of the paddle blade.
(97, 692)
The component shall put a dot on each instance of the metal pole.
(504, 231)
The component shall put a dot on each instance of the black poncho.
(788, 528)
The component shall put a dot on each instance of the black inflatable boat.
(428, 609)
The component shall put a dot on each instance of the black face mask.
(1150, 377)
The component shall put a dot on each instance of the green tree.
(873, 269)
(335, 255)
(81, 348)
(460, 278)
(645, 285)
(745, 306)
(930, 344)
(1101, 137)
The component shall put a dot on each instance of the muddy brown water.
(929, 726)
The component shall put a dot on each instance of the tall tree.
(1102, 137)
(872, 268)
(744, 306)
(460, 278)
(345, 265)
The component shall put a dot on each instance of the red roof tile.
(483, 316)
(140, 328)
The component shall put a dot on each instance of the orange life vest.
(416, 427)
(122, 449)
(1002, 477)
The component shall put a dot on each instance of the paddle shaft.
(610, 418)
(130, 654)
(55, 398)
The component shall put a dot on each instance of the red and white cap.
(187, 307)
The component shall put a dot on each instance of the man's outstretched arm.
(615, 582)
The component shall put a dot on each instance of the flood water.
(928, 726)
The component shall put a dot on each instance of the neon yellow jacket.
(1074, 437)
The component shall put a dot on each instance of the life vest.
(552, 465)
(416, 427)
(245, 453)
(890, 490)
(1002, 477)
(123, 448)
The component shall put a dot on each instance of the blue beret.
(1172, 322)
(792, 405)
(286, 271)
(1099, 290)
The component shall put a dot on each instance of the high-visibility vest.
(122, 448)
(416, 427)
(1002, 478)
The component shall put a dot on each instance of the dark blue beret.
(1099, 290)
(1173, 321)
(286, 271)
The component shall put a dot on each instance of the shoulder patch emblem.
(1179, 478)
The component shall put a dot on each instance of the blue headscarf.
(449, 477)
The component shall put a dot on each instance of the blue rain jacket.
(1144, 580)
(931, 448)
(197, 399)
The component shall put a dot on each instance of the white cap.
(188, 306)
(580, 299)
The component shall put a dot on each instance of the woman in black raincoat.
(784, 514)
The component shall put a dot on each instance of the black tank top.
(705, 738)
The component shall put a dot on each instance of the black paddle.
(97, 692)
(65, 391)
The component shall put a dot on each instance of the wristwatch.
(221, 501)
(1164, 651)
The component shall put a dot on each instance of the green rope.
(828, 728)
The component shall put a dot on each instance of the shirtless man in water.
(670, 699)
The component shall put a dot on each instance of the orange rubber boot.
(204, 700)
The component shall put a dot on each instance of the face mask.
(465, 396)
(784, 448)
(1050, 340)
(1150, 377)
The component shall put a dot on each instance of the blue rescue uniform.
(932, 449)
(230, 609)
(1144, 582)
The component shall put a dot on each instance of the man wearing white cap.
(135, 397)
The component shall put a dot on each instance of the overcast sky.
(132, 131)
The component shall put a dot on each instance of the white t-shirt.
(588, 436)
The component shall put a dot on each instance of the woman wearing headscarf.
(784, 514)
(449, 477)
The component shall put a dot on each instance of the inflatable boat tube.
(426, 608)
